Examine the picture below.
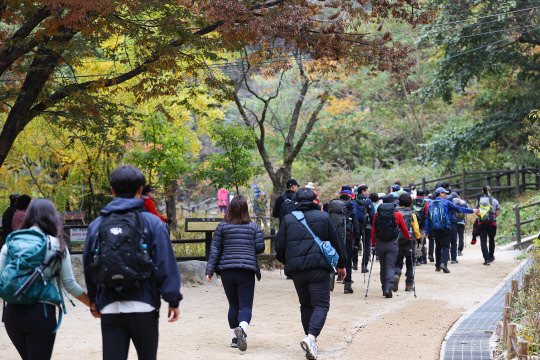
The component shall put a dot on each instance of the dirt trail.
(357, 327)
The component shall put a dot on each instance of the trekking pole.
(413, 259)
(369, 278)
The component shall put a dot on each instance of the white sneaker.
(310, 347)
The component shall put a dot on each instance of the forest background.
(217, 95)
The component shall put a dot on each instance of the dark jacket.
(7, 218)
(352, 214)
(166, 278)
(289, 194)
(235, 247)
(296, 248)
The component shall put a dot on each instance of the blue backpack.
(21, 279)
(437, 215)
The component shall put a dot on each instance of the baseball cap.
(396, 187)
(291, 182)
(347, 192)
(441, 190)
(407, 190)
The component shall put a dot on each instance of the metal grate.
(470, 341)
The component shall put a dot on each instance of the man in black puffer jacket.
(305, 263)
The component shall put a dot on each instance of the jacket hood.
(122, 204)
(307, 205)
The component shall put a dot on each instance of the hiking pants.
(404, 252)
(454, 241)
(348, 264)
(239, 286)
(313, 289)
(118, 329)
(442, 246)
(461, 236)
(431, 245)
(30, 328)
(367, 247)
(422, 244)
(485, 231)
(387, 252)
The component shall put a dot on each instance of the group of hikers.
(129, 262)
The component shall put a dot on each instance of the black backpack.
(386, 228)
(408, 217)
(339, 213)
(362, 202)
(287, 207)
(122, 259)
(419, 206)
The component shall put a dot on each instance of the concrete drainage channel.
(469, 338)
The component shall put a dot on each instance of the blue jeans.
(442, 246)
(454, 241)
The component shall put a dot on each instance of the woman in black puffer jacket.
(233, 255)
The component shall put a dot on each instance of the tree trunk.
(170, 202)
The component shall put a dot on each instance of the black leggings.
(239, 288)
(30, 328)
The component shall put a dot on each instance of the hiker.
(305, 263)
(387, 224)
(18, 217)
(407, 247)
(419, 209)
(453, 215)
(128, 264)
(461, 217)
(438, 223)
(223, 200)
(361, 214)
(395, 191)
(284, 204)
(311, 186)
(259, 202)
(488, 211)
(364, 201)
(233, 255)
(374, 197)
(414, 191)
(343, 213)
(7, 217)
(148, 197)
(31, 322)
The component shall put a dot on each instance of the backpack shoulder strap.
(300, 217)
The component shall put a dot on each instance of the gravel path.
(357, 327)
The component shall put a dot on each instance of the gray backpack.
(338, 211)
(408, 217)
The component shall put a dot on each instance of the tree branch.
(312, 120)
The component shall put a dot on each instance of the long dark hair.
(238, 212)
(42, 213)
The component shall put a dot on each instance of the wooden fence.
(516, 347)
(508, 180)
(520, 223)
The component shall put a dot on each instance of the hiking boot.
(234, 343)
(437, 268)
(310, 347)
(454, 261)
(387, 294)
(332, 281)
(355, 266)
(424, 261)
(396, 283)
(492, 258)
(460, 253)
(241, 338)
(347, 289)
(487, 263)
(444, 268)
(364, 270)
(431, 259)
(409, 287)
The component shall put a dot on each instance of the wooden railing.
(506, 180)
(519, 222)
(516, 347)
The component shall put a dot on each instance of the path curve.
(357, 327)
